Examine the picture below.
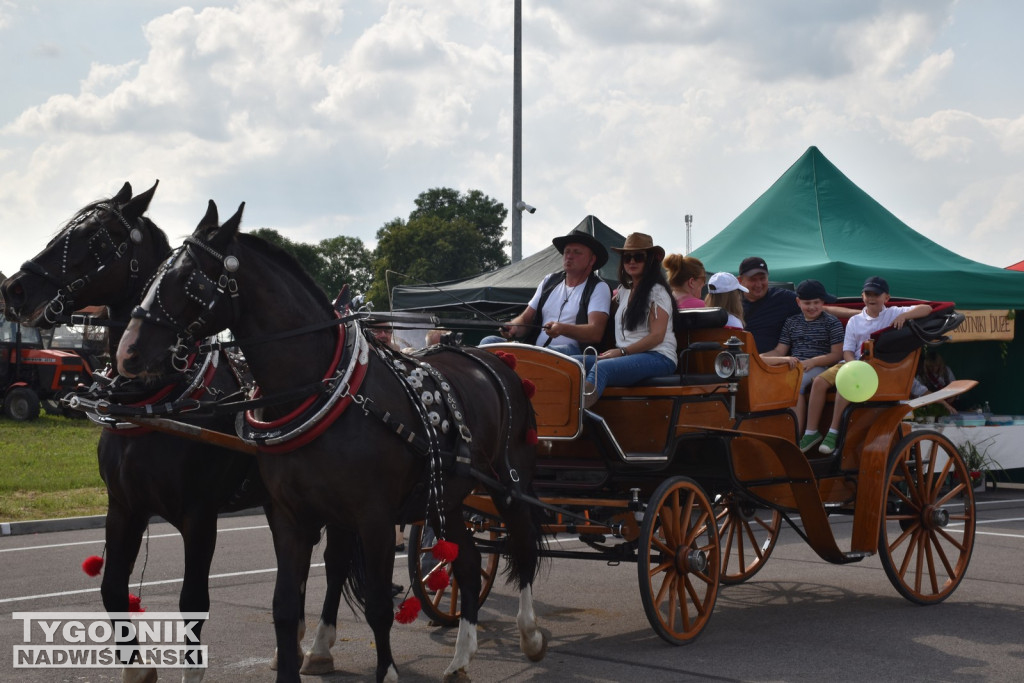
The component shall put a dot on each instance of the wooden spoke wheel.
(678, 560)
(443, 607)
(927, 533)
(747, 534)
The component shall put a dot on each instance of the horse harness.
(102, 248)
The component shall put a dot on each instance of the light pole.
(517, 137)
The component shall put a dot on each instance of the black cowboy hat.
(587, 240)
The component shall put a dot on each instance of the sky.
(330, 117)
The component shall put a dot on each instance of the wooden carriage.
(691, 475)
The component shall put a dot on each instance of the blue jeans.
(567, 349)
(625, 371)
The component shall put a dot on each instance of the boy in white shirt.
(875, 316)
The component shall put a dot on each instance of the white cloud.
(331, 117)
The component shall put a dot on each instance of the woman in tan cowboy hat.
(645, 345)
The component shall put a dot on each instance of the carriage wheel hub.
(937, 517)
(692, 560)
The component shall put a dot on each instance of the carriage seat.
(684, 320)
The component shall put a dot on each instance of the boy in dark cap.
(813, 339)
(874, 316)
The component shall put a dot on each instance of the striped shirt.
(810, 338)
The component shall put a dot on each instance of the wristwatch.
(622, 350)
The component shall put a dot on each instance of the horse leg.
(123, 535)
(199, 537)
(337, 564)
(522, 546)
(293, 548)
(466, 568)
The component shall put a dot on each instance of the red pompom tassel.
(438, 579)
(508, 358)
(135, 603)
(408, 611)
(446, 551)
(93, 565)
(529, 388)
(531, 436)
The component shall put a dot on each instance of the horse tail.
(354, 589)
(525, 541)
(346, 573)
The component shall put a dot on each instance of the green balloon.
(856, 381)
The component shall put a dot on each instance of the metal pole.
(688, 219)
(517, 138)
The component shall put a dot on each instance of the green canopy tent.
(814, 222)
(505, 290)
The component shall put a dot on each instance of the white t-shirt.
(562, 305)
(861, 326)
(663, 305)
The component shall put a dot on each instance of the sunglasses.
(634, 256)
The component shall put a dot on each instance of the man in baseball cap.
(765, 308)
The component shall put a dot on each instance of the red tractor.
(31, 374)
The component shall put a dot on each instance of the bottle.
(987, 410)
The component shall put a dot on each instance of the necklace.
(568, 293)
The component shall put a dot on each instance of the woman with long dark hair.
(645, 344)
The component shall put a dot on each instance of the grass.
(48, 469)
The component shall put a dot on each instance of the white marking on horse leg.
(465, 648)
(531, 639)
(318, 660)
(392, 675)
(192, 675)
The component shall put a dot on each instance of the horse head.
(192, 296)
(102, 256)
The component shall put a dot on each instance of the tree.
(331, 263)
(483, 213)
(345, 260)
(448, 236)
(424, 249)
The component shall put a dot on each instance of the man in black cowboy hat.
(570, 308)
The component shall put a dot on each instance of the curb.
(42, 526)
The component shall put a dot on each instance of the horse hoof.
(458, 676)
(317, 666)
(533, 652)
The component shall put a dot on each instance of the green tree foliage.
(331, 263)
(449, 235)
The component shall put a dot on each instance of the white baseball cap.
(720, 283)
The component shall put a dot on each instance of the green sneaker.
(828, 444)
(809, 441)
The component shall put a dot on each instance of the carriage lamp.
(732, 363)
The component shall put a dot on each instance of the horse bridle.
(199, 288)
(64, 298)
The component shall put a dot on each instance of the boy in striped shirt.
(813, 339)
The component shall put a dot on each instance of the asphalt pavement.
(799, 619)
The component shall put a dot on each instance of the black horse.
(106, 255)
(358, 473)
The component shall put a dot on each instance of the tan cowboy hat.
(638, 241)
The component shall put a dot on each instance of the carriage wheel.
(678, 562)
(927, 533)
(747, 534)
(443, 607)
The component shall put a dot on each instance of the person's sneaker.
(809, 441)
(828, 444)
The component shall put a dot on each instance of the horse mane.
(290, 264)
